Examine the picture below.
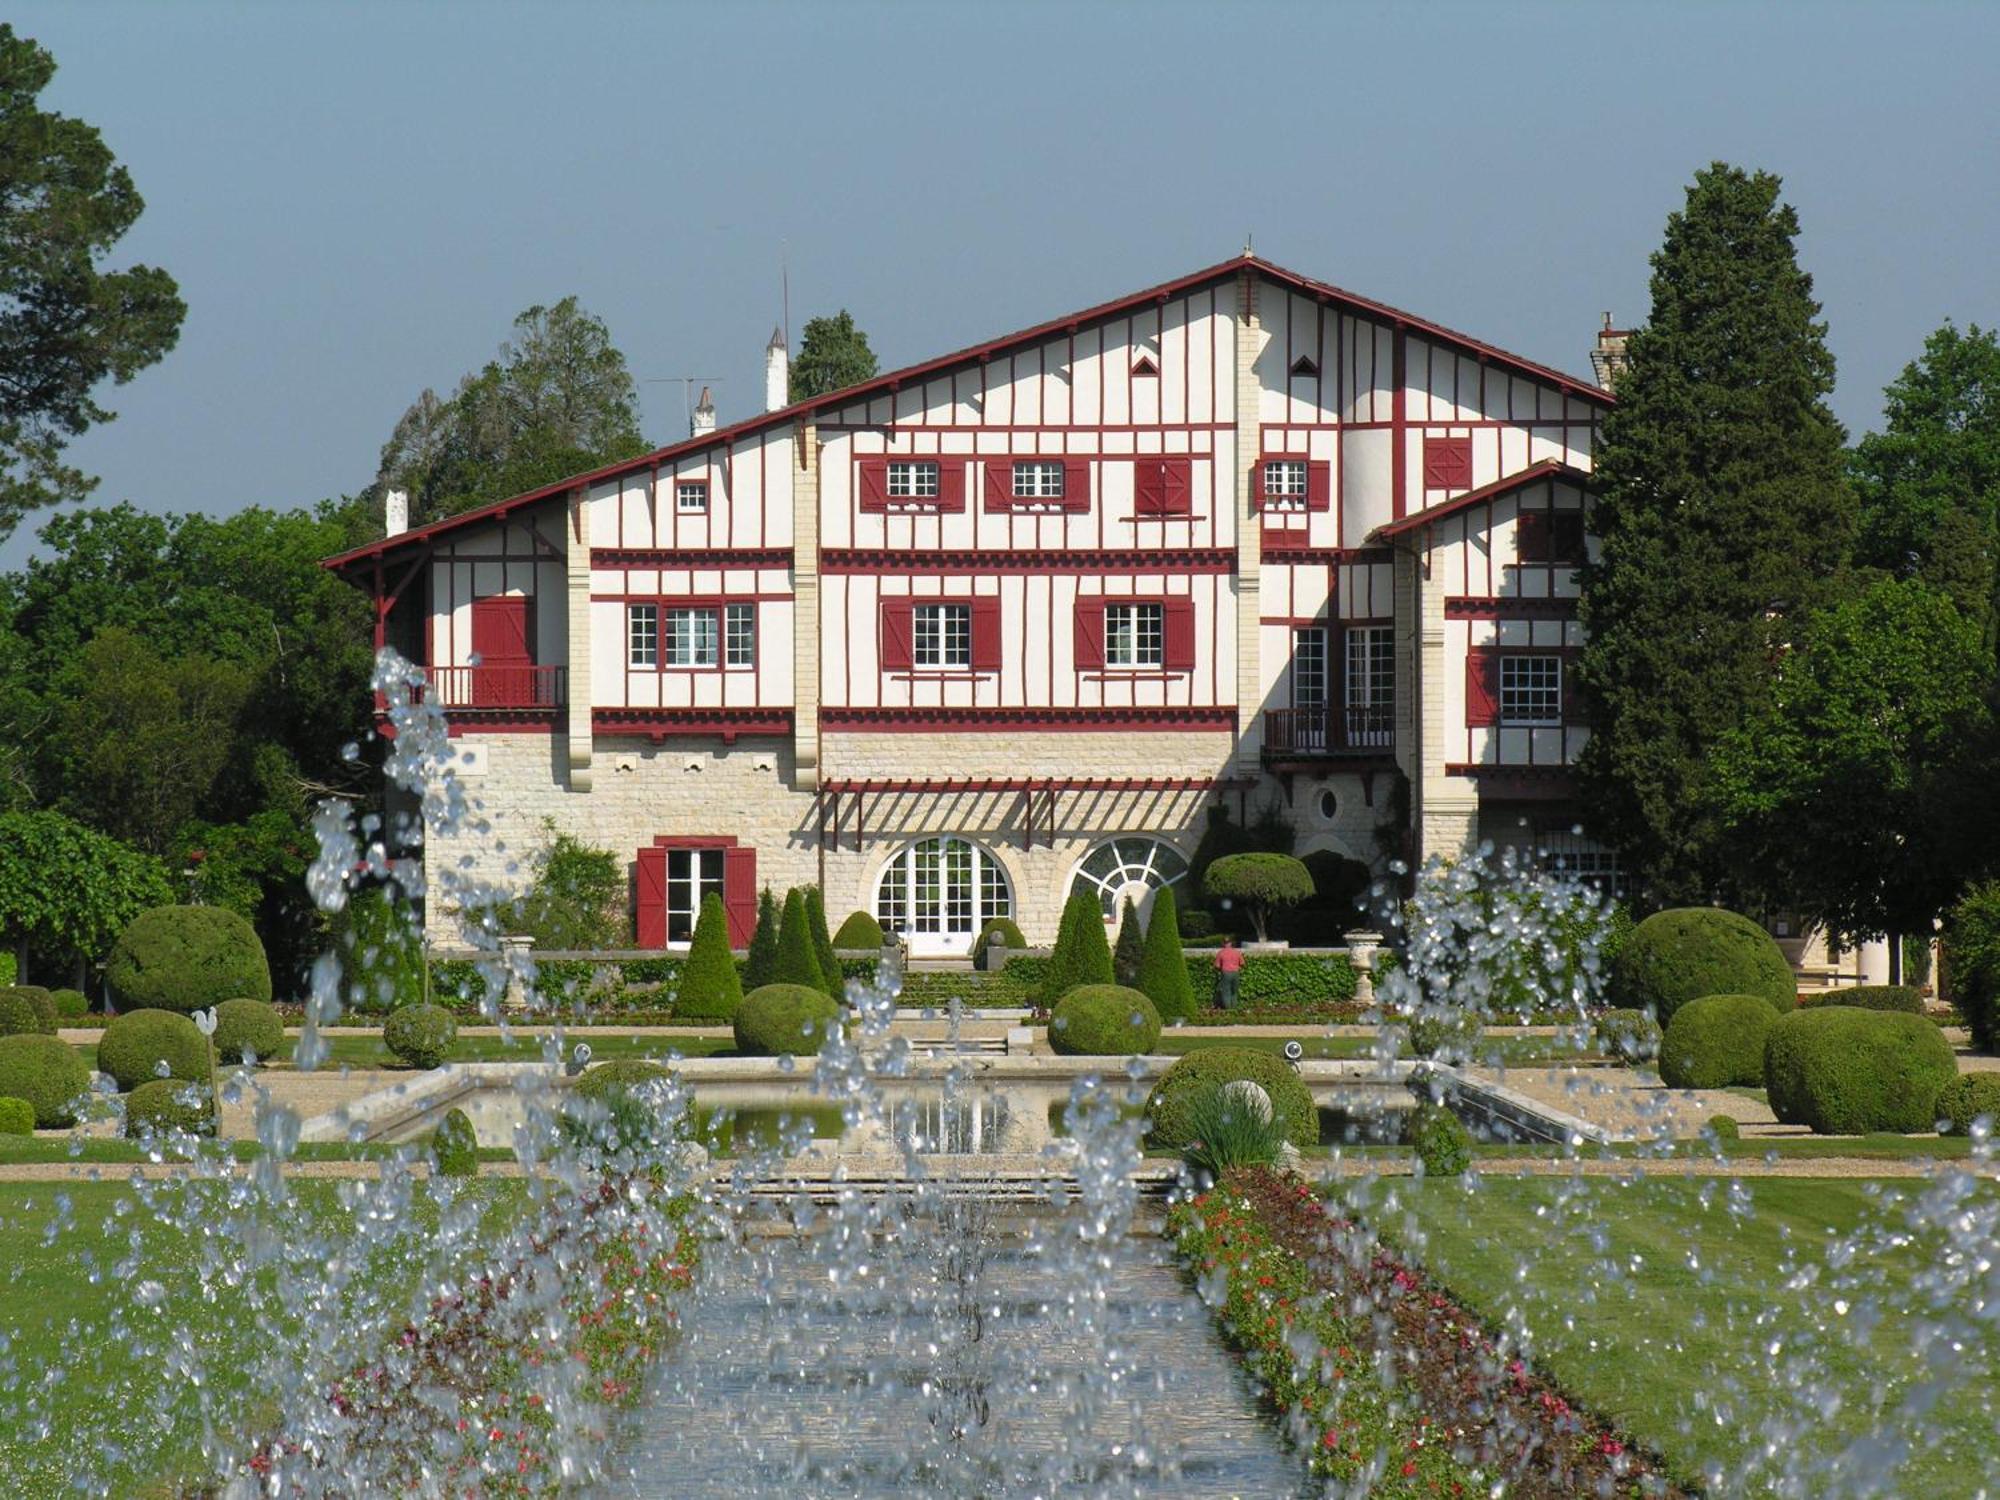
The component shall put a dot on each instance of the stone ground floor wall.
(517, 786)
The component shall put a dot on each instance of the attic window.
(1304, 366)
(1145, 366)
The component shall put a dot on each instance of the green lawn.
(1659, 1308)
(68, 1313)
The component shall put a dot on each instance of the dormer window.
(691, 497)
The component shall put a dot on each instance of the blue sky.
(357, 199)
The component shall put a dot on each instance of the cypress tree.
(762, 960)
(1163, 971)
(1724, 516)
(796, 962)
(1081, 956)
(710, 989)
(1131, 943)
(829, 962)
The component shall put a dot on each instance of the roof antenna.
(1249, 245)
(785, 282)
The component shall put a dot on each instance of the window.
(1530, 689)
(1285, 484)
(941, 635)
(642, 635)
(913, 481)
(691, 638)
(1038, 479)
(740, 626)
(1549, 536)
(1127, 867)
(1448, 463)
(939, 893)
(691, 496)
(1134, 635)
(1309, 667)
(691, 875)
(1371, 685)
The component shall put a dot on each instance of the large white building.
(957, 639)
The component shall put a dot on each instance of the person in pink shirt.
(1228, 964)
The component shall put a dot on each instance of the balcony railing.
(507, 686)
(1329, 731)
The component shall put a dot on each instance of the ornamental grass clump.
(248, 1031)
(1683, 954)
(187, 958)
(786, 1020)
(1716, 1041)
(144, 1045)
(48, 1073)
(710, 988)
(1233, 1127)
(1841, 1071)
(1103, 1020)
(420, 1035)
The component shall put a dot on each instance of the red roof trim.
(1548, 468)
(893, 379)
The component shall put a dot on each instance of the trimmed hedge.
(859, 931)
(71, 1005)
(1443, 1144)
(247, 1026)
(1725, 1127)
(17, 1117)
(785, 1020)
(169, 1104)
(1170, 1107)
(27, 1010)
(458, 985)
(1898, 997)
(1630, 1034)
(1965, 1099)
(47, 1072)
(187, 958)
(1716, 1041)
(455, 1145)
(1839, 1070)
(1680, 955)
(710, 988)
(1104, 1020)
(135, 1044)
(421, 1035)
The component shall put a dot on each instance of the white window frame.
(642, 635)
(941, 636)
(913, 479)
(1310, 663)
(691, 875)
(1288, 492)
(1037, 479)
(1527, 703)
(691, 497)
(739, 635)
(1135, 635)
(693, 637)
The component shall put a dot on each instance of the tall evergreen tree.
(1724, 514)
(1131, 943)
(1163, 972)
(761, 962)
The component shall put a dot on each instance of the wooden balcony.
(1293, 735)
(505, 688)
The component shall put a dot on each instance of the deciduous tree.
(833, 354)
(65, 888)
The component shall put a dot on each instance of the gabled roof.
(893, 380)
(1548, 468)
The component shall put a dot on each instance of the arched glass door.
(938, 893)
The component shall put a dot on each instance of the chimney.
(395, 512)
(704, 415)
(777, 372)
(1607, 360)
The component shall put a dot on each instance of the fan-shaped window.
(939, 892)
(1134, 867)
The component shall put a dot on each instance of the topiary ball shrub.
(17, 1117)
(1842, 1071)
(1870, 997)
(1725, 1128)
(859, 931)
(169, 1104)
(134, 1046)
(1103, 1020)
(1170, 1108)
(455, 1146)
(608, 1108)
(186, 958)
(1965, 1099)
(1442, 1143)
(1630, 1034)
(47, 1072)
(1716, 1041)
(421, 1035)
(71, 1005)
(26, 1010)
(782, 1020)
(247, 1030)
(1005, 931)
(1676, 956)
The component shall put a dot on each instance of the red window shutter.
(874, 484)
(651, 882)
(1149, 487)
(1089, 634)
(1076, 484)
(999, 485)
(1531, 536)
(1447, 463)
(898, 648)
(951, 484)
(739, 894)
(1566, 544)
(1482, 687)
(986, 633)
(1177, 635)
(1319, 486)
(1177, 486)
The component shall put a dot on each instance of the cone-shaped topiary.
(455, 1145)
(761, 963)
(27, 1010)
(1163, 970)
(247, 1027)
(796, 962)
(1842, 1071)
(169, 1104)
(421, 1035)
(135, 1044)
(710, 988)
(187, 958)
(47, 1072)
(1682, 954)
(1716, 1041)
(1082, 955)
(1131, 943)
(17, 1117)
(1103, 1020)
(785, 1020)
(1171, 1106)
(859, 931)
(829, 963)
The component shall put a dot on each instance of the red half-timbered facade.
(1017, 620)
